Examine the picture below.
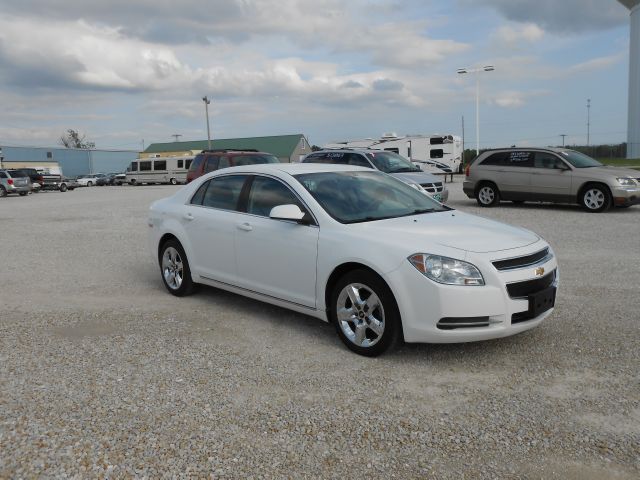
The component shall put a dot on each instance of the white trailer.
(431, 152)
(171, 170)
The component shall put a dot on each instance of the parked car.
(380, 260)
(387, 162)
(211, 160)
(554, 175)
(119, 179)
(13, 181)
(89, 180)
(37, 178)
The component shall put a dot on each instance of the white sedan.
(358, 248)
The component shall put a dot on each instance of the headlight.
(627, 182)
(446, 270)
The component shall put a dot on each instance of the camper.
(159, 169)
(432, 153)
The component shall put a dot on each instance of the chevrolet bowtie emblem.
(539, 271)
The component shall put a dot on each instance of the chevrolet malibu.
(358, 248)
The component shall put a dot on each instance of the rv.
(171, 170)
(432, 153)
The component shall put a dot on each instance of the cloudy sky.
(125, 71)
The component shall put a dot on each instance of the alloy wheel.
(172, 268)
(594, 198)
(486, 195)
(360, 315)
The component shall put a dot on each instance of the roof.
(278, 145)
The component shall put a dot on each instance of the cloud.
(560, 16)
(514, 98)
(512, 36)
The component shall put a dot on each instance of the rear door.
(513, 176)
(210, 220)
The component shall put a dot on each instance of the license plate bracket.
(542, 301)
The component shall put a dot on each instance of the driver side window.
(267, 193)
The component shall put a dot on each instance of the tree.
(72, 139)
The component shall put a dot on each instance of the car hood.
(416, 177)
(452, 229)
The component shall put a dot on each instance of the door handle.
(245, 226)
(188, 216)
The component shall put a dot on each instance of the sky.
(130, 73)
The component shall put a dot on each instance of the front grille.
(449, 323)
(432, 187)
(520, 262)
(526, 288)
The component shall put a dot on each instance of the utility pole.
(563, 135)
(1, 158)
(206, 101)
(176, 136)
(462, 160)
(143, 144)
(588, 119)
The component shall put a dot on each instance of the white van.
(171, 170)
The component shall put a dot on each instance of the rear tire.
(3, 192)
(173, 181)
(595, 198)
(23, 194)
(89, 184)
(487, 195)
(365, 314)
(174, 269)
(63, 187)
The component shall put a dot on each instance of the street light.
(462, 71)
(206, 110)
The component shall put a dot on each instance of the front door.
(276, 257)
(550, 178)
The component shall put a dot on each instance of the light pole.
(588, 119)
(563, 135)
(206, 110)
(486, 68)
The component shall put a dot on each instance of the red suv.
(210, 160)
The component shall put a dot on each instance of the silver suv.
(549, 175)
(387, 162)
(12, 181)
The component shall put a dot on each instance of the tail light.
(467, 170)
(10, 181)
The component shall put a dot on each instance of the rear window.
(195, 164)
(17, 173)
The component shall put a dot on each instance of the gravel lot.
(104, 374)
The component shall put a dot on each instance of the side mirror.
(287, 212)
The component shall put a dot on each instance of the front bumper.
(424, 303)
(625, 196)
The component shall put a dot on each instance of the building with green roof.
(288, 148)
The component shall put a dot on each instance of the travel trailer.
(441, 153)
(171, 170)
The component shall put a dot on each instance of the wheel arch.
(594, 183)
(345, 268)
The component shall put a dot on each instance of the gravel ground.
(104, 374)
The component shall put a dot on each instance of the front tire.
(487, 195)
(595, 198)
(63, 187)
(365, 313)
(174, 268)
(23, 194)
(3, 192)
(89, 184)
(173, 181)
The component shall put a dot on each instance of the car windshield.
(352, 197)
(389, 162)
(579, 160)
